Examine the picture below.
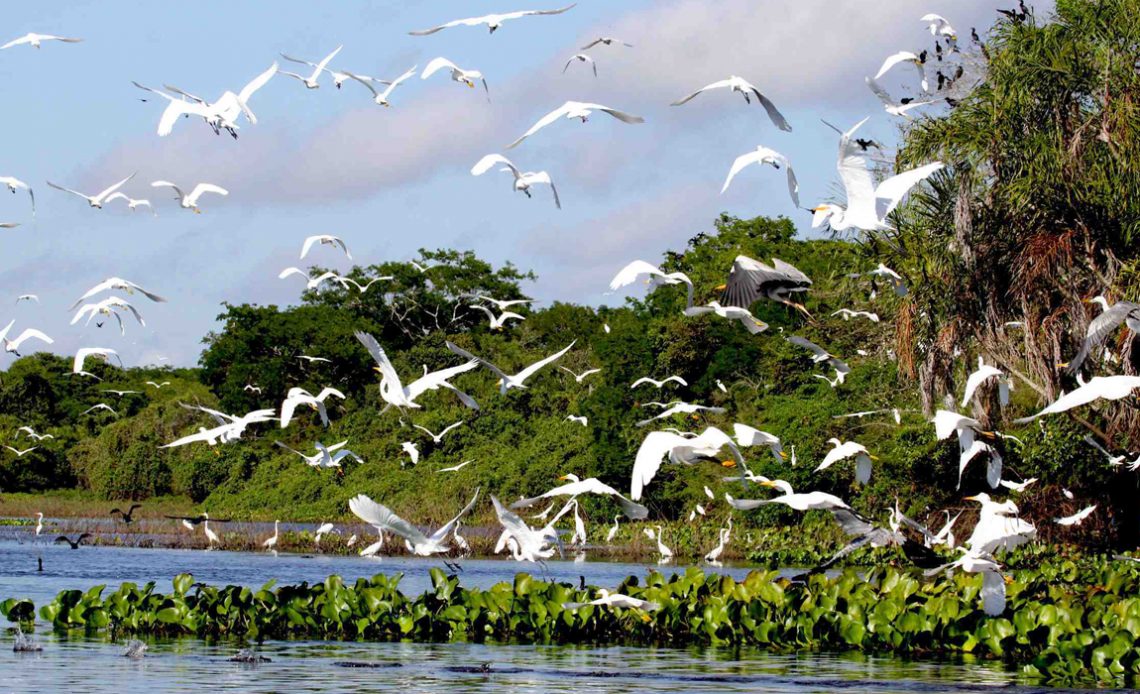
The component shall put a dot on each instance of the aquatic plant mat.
(1064, 623)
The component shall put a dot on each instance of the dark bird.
(750, 279)
(974, 35)
(192, 522)
(74, 545)
(126, 516)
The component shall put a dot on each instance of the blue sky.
(392, 180)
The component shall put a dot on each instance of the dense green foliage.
(1058, 629)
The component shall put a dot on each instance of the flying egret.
(938, 26)
(324, 240)
(99, 198)
(1110, 318)
(108, 307)
(592, 485)
(998, 526)
(31, 434)
(437, 438)
(608, 599)
(13, 346)
(15, 184)
(909, 58)
(799, 501)
(101, 353)
(34, 40)
(751, 323)
(763, 155)
(847, 314)
(382, 518)
(605, 41)
(458, 74)
(575, 109)
(412, 450)
(116, 284)
(749, 279)
(681, 408)
(506, 381)
(312, 81)
(492, 21)
(1018, 487)
(393, 392)
(901, 107)
(581, 58)
(867, 204)
(300, 396)
(655, 277)
(993, 582)
(1077, 518)
(658, 384)
(579, 377)
(980, 376)
(229, 427)
(747, 436)
(322, 530)
(189, 201)
(104, 407)
(21, 453)
(1097, 388)
(842, 450)
(311, 283)
(578, 420)
(526, 543)
(28, 297)
(381, 98)
(456, 468)
(747, 90)
(679, 449)
(523, 180)
(326, 456)
(132, 203)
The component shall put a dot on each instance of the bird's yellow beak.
(872, 457)
(645, 617)
(821, 208)
(767, 483)
(971, 498)
(728, 463)
(721, 287)
(197, 211)
(783, 455)
(1062, 365)
(471, 85)
(1008, 580)
(564, 477)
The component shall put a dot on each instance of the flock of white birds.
(868, 205)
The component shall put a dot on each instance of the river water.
(75, 663)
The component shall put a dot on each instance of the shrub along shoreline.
(1064, 623)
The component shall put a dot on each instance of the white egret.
(311, 283)
(763, 155)
(456, 468)
(658, 384)
(506, 381)
(116, 284)
(993, 582)
(1097, 388)
(747, 90)
(15, 184)
(751, 323)
(1018, 487)
(189, 201)
(437, 438)
(326, 456)
(842, 450)
(609, 534)
(1077, 518)
(681, 408)
(108, 307)
(897, 108)
(592, 485)
(980, 376)
(605, 41)
(458, 74)
(99, 198)
(412, 450)
(908, 58)
(847, 314)
(382, 518)
(575, 109)
(747, 436)
(393, 392)
(492, 21)
(998, 526)
(608, 599)
(938, 26)
(300, 396)
(381, 97)
(867, 204)
(21, 453)
(322, 530)
(31, 433)
(324, 240)
(13, 346)
(799, 501)
(132, 203)
(579, 377)
(34, 40)
(101, 353)
(211, 536)
(581, 58)
(679, 449)
(523, 180)
(28, 297)
(1110, 318)
(655, 277)
(578, 420)
(311, 82)
(497, 322)
(271, 543)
